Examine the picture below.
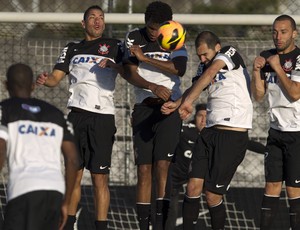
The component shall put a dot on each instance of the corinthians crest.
(103, 49)
(288, 65)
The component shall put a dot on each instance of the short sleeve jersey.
(91, 87)
(284, 113)
(34, 131)
(229, 101)
(150, 72)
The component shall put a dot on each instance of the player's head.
(19, 80)
(156, 13)
(93, 22)
(284, 33)
(200, 116)
(207, 45)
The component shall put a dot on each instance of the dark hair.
(87, 11)
(284, 17)
(158, 12)
(199, 107)
(19, 76)
(208, 38)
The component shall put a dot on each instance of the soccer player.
(276, 72)
(222, 145)
(33, 134)
(155, 74)
(179, 168)
(92, 66)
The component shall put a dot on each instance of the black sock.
(268, 210)
(143, 214)
(101, 224)
(294, 213)
(70, 223)
(162, 207)
(190, 211)
(218, 216)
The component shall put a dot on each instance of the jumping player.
(92, 66)
(33, 134)
(155, 73)
(222, 145)
(276, 72)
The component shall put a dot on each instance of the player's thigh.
(167, 134)
(143, 119)
(101, 137)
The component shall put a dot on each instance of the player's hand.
(185, 110)
(135, 50)
(105, 62)
(42, 78)
(259, 63)
(161, 91)
(274, 61)
(64, 216)
(169, 107)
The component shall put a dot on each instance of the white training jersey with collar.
(149, 72)
(284, 113)
(91, 87)
(229, 102)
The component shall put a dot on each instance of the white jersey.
(150, 72)
(229, 102)
(91, 87)
(34, 131)
(284, 113)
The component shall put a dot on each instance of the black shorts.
(179, 169)
(38, 210)
(216, 156)
(94, 136)
(155, 135)
(283, 157)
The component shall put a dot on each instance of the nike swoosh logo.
(141, 46)
(297, 181)
(103, 167)
(219, 186)
(170, 154)
(191, 142)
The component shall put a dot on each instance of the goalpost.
(41, 54)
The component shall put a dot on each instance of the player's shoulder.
(268, 53)
(134, 36)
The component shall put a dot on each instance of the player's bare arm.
(107, 63)
(186, 107)
(166, 66)
(257, 84)
(51, 79)
(291, 88)
(134, 78)
(2, 152)
(71, 167)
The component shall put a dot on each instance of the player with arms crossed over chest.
(276, 72)
(155, 73)
(222, 145)
(33, 134)
(92, 66)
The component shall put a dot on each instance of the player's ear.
(294, 35)
(218, 47)
(83, 24)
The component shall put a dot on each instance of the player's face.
(205, 54)
(152, 30)
(200, 119)
(284, 36)
(94, 24)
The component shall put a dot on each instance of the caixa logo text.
(36, 130)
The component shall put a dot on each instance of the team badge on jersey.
(288, 65)
(103, 49)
